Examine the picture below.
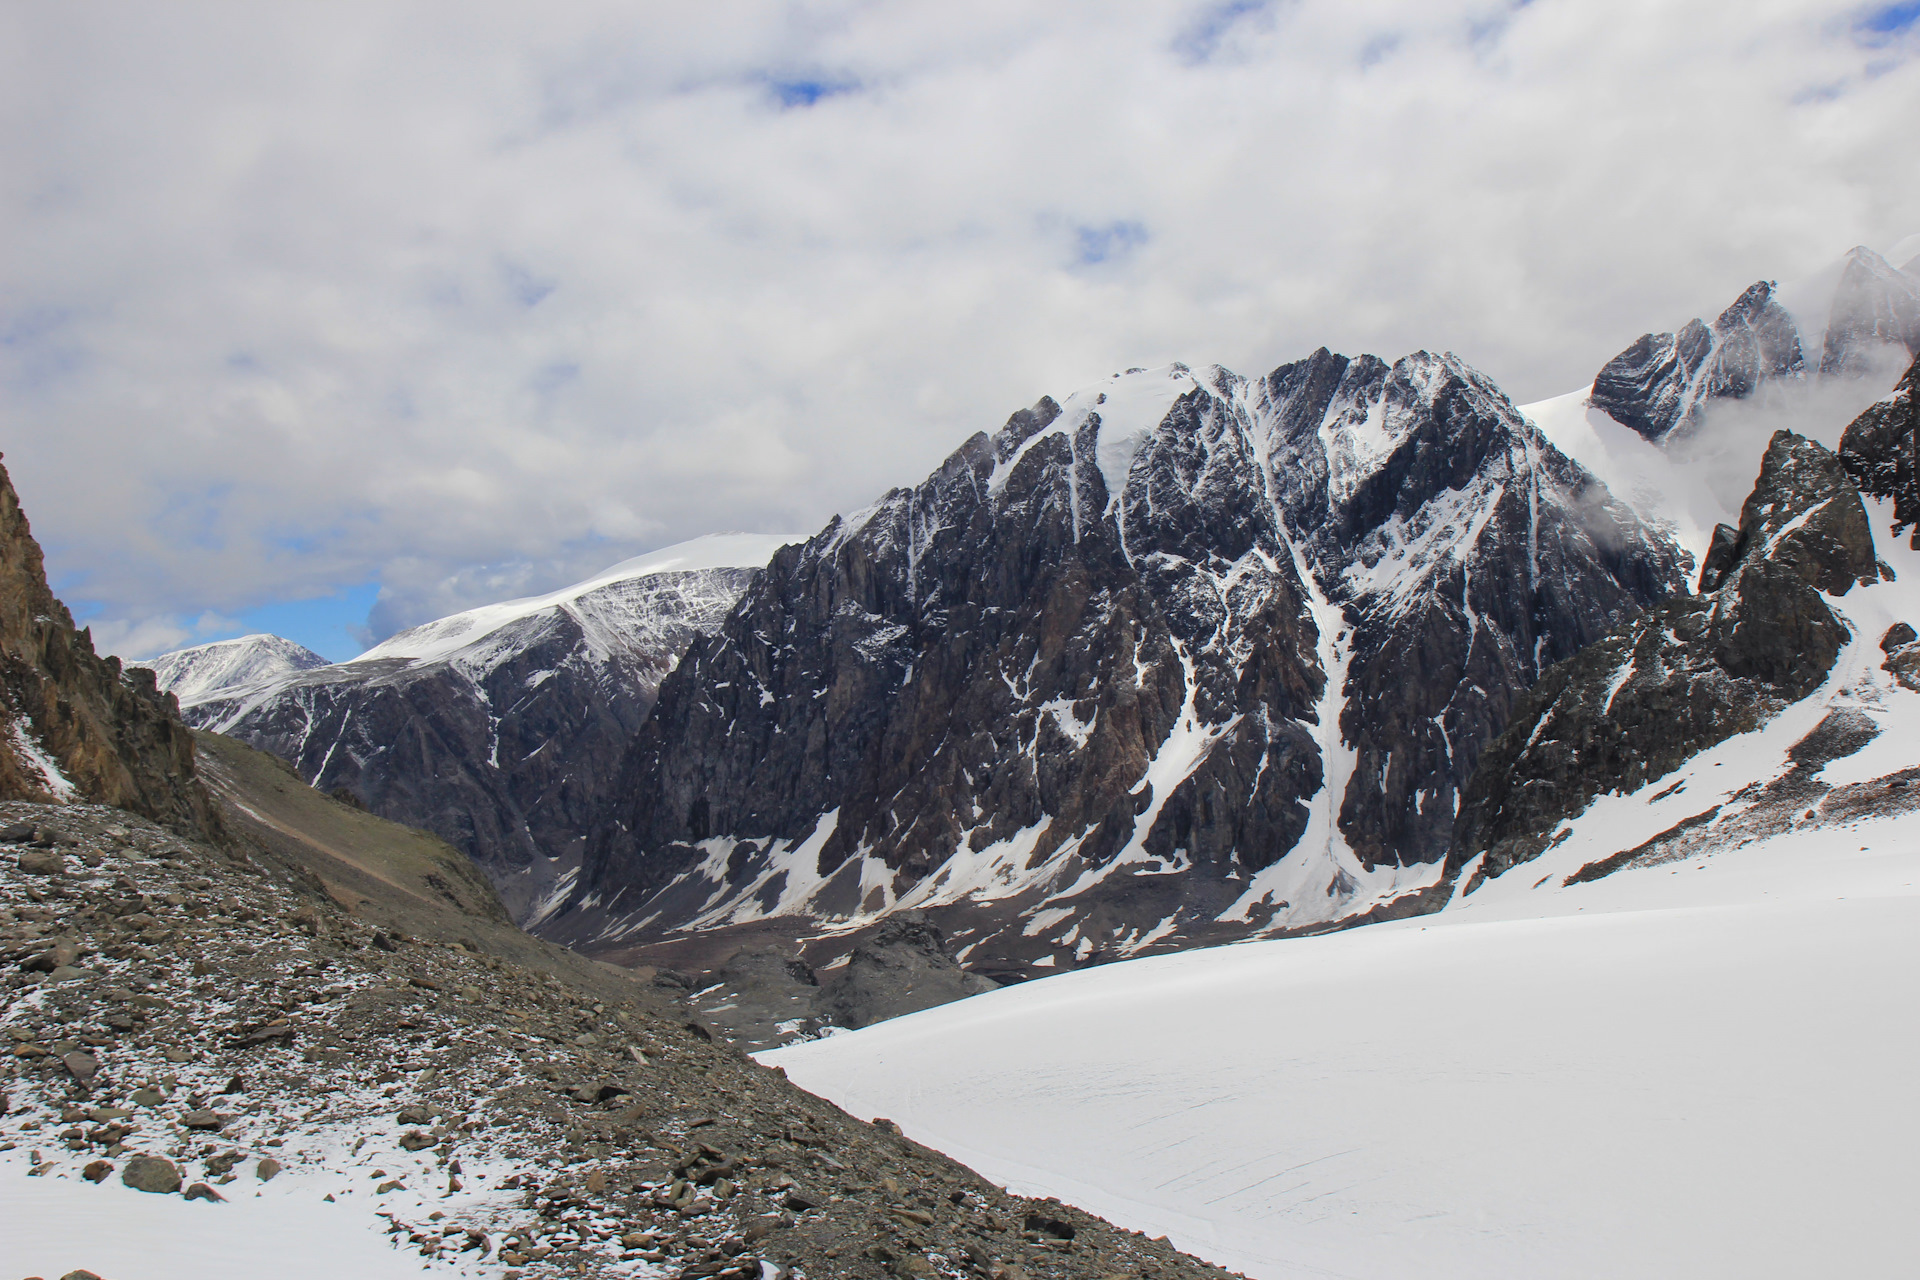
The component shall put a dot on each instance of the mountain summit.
(1189, 656)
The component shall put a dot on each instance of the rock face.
(74, 726)
(1875, 305)
(1189, 656)
(903, 968)
(500, 729)
(1881, 451)
(207, 671)
(1687, 674)
(1660, 384)
(1663, 379)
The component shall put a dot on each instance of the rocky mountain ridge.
(76, 726)
(498, 729)
(1187, 657)
(1778, 700)
(1881, 451)
(1661, 384)
(1690, 673)
(203, 672)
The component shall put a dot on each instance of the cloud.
(297, 297)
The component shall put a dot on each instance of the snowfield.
(1700, 1068)
(50, 1226)
(1704, 1069)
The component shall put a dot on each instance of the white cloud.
(475, 299)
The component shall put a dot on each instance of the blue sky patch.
(1103, 244)
(1201, 39)
(331, 626)
(805, 92)
(1891, 19)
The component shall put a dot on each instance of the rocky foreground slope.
(211, 1021)
(1188, 657)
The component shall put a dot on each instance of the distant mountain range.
(498, 729)
(1187, 656)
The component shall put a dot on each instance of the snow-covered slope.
(1683, 1071)
(611, 619)
(208, 671)
(501, 727)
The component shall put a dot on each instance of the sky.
(331, 318)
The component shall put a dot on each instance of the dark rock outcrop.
(75, 726)
(1881, 451)
(1687, 674)
(1661, 384)
(1120, 661)
(902, 968)
(1663, 380)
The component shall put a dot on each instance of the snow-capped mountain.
(1839, 324)
(1189, 656)
(1781, 698)
(500, 728)
(1683, 902)
(205, 672)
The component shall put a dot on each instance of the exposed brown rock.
(111, 734)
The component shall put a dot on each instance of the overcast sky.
(333, 318)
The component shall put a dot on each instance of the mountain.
(1780, 698)
(1881, 450)
(208, 671)
(1765, 634)
(1191, 656)
(77, 728)
(498, 729)
(1661, 384)
(1681, 901)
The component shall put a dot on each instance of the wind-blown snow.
(442, 638)
(1685, 495)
